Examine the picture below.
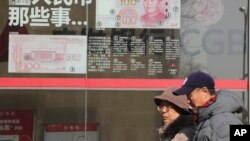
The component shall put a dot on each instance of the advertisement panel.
(16, 125)
(71, 132)
(47, 54)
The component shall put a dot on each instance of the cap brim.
(183, 91)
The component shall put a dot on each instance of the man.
(214, 111)
(153, 13)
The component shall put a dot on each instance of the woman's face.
(151, 6)
(167, 112)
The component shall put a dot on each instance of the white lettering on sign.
(18, 16)
(60, 16)
(240, 132)
(39, 16)
(23, 12)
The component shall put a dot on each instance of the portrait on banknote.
(157, 14)
(153, 13)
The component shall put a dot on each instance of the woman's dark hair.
(178, 109)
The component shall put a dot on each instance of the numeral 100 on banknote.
(128, 2)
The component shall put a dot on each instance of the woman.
(178, 121)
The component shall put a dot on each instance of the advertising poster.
(47, 54)
(130, 53)
(71, 132)
(135, 42)
(16, 125)
(158, 14)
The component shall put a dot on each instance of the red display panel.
(95, 83)
(17, 122)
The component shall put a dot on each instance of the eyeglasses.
(161, 107)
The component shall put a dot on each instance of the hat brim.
(157, 101)
(183, 91)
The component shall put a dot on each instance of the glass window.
(89, 69)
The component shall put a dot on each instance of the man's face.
(196, 97)
(151, 6)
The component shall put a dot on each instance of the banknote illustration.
(47, 54)
(157, 14)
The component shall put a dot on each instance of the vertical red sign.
(17, 122)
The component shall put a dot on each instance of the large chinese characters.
(44, 13)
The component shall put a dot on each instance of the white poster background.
(71, 132)
(71, 136)
(9, 137)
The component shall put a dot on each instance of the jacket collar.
(169, 131)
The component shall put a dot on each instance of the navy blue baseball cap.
(195, 80)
